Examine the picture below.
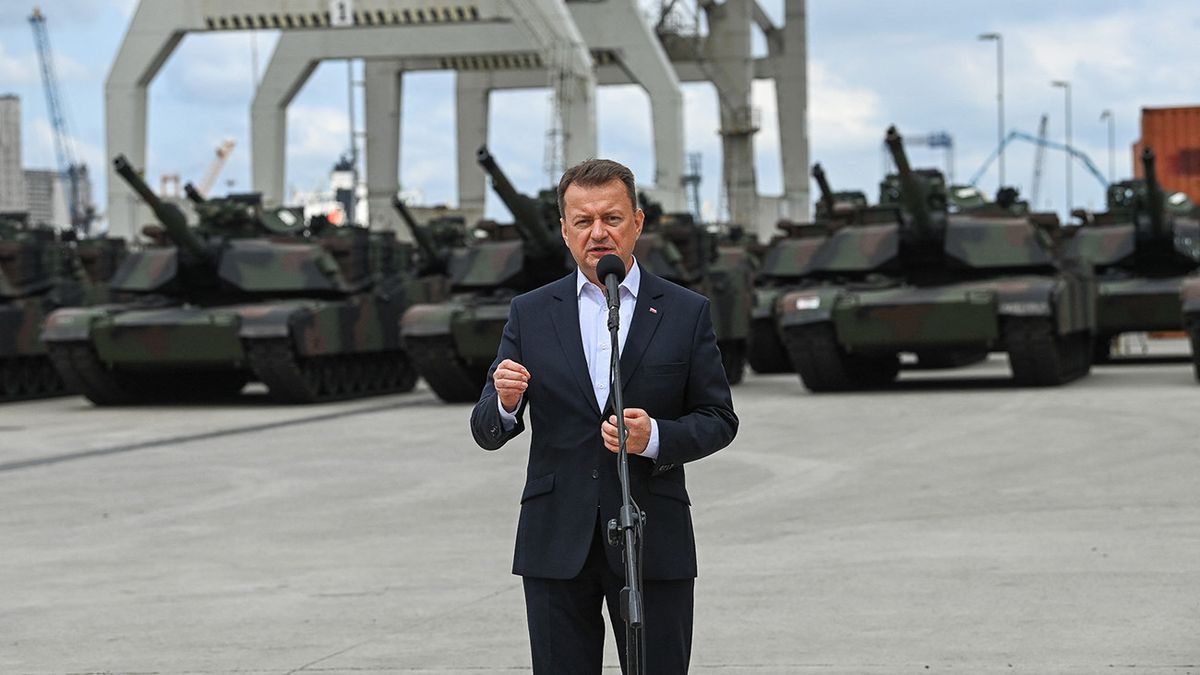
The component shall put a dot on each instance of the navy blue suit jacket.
(670, 367)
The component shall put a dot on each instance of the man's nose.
(598, 231)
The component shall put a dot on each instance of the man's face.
(597, 221)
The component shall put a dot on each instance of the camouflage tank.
(248, 294)
(929, 282)
(1145, 248)
(787, 264)
(454, 342)
(42, 270)
(677, 248)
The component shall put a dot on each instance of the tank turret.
(826, 202)
(173, 221)
(192, 193)
(529, 216)
(247, 293)
(432, 259)
(920, 198)
(1155, 201)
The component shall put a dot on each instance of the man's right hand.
(511, 380)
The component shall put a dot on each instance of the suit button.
(495, 430)
(595, 474)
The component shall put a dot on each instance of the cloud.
(842, 114)
(215, 68)
(18, 69)
(317, 132)
(58, 12)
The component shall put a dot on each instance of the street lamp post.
(995, 37)
(1066, 87)
(1112, 161)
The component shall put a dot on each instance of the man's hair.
(594, 173)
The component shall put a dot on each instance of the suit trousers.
(566, 629)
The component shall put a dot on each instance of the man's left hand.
(637, 426)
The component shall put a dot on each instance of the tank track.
(765, 351)
(313, 379)
(1191, 324)
(83, 372)
(1039, 357)
(452, 380)
(29, 377)
(824, 366)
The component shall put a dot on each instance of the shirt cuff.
(508, 420)
(651, 451)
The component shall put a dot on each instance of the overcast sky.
(916, 64)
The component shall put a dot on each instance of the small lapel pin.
(653, 311)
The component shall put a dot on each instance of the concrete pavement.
(959, 526)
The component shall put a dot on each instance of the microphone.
(611, 272)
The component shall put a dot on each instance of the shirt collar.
(631, 283)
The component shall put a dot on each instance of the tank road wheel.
(765, 350)
(733, 358)
(406, 372)
(288, 379)
(452, 380)
(1039, 357)
(292, 379)
(47, 380)
(824, 366)
(83, 372)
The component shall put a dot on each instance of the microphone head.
(610, 264)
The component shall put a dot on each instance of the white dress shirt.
(597, 344)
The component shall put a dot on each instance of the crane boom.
(1039, 156)
(214, 169)
(1053, 145)
(64, 146)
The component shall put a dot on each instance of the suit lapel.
(643, 325)
(566, 327)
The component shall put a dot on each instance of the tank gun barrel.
(527, 217)
(169, 215)
(912, 194)
(1154, 192)
(193, 194)
(823, 184)
(420, 235)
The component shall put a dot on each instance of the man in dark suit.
(553, 361)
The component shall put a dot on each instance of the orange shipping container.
(1174, 134)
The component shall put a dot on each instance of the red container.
(1174, 134)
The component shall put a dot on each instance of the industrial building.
(12, 178)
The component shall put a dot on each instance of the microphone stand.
(626, 529)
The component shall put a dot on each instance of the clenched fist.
(637, 428)
(511, 380)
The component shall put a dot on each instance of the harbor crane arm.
(214, 169)
(1053, 145)
(64, 146)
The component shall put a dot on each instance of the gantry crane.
(1039, 156)
(1041, 142)
(72, 170)
(214, 169)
